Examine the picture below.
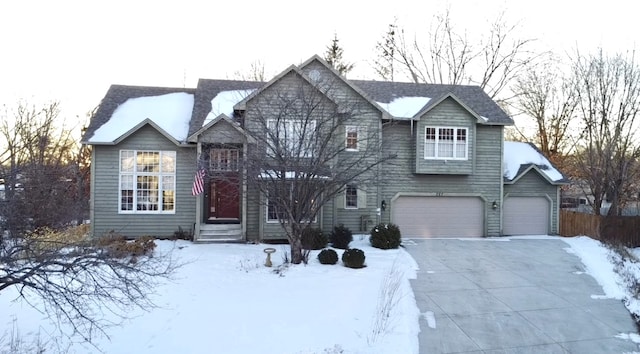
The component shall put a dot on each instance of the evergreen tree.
(386, 48)
(333, 56)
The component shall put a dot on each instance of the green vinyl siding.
(485, 181)
(447, 114)
(105, 178)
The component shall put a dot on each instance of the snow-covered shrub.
(340, 237)
(353, 258)
(328, 256)
(313, 239)
(385, 236)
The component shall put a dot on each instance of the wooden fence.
(617, 229)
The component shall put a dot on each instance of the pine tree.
(386, 49)
(333, 56)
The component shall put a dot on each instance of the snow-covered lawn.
(223, 300)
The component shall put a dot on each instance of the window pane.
(351, 197)
(147, 193)
(168, 200)
(352, 138)
(445, 142)
(126, 161)
(148, 161)
(461, 143)
(168, 161)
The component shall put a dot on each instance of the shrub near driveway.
(385, 236)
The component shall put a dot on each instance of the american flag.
(198, 182)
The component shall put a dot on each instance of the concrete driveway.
(512, 296)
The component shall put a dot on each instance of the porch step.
(220, 233)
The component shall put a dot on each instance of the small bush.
(313, 239)
(328, 256)
(340, 237)
(385, 236)
(182, 234)
(48, 239)
(353, 258)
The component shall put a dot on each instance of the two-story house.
(447, 171)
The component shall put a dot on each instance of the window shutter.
(362, 198)
(340, 199)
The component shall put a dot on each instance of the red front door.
(224, 198)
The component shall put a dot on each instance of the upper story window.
(446, 143)
(293, 138)
(224, 159)
(147, 181)
(351, 139)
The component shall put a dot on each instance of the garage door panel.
(439, 216)
(526, 216)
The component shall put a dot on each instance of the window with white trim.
(293, 137)
(351, 197)
(351, 138)
(147, 181)
(446, 143)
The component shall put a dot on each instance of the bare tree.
(333, 56)
(550, 99)
(45, 175)
(78, 282)
(450, 57)
(41, 169)
(256, 72)
(307, 150)
(607, 148)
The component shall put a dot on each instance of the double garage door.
(464, 216)
(526, 216)
(439, 216)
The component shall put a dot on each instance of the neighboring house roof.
(116, 96)
(520, 158)
(214, 97)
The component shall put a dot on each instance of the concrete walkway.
(512, 296)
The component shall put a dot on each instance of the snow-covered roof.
(517, 154)
(171, 112)
(405, 107)
(223, 103)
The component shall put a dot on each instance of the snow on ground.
(600, 263)
(224, 300)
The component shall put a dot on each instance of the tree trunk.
(296, 249)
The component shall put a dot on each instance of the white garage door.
(525, 216)
(439, 216)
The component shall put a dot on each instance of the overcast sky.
(73, 50)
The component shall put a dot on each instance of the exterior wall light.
(494, 205)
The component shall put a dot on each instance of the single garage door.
(439, 216)
(526, 216)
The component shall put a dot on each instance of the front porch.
(221, 205)
(219, 233)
